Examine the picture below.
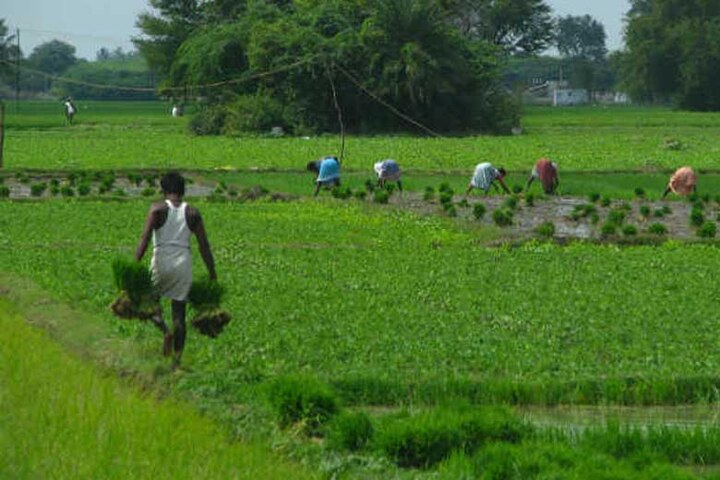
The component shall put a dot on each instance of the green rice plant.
(37, 189)
(390, 187)
(530, 199)
(83, 189)
(350, 431)
(629, 230)
(463, 203)
(657, 229)
(659, 213)
(708, 229)
(594, 218)
(360, 194)
(608, 229)
(54, 182)
(429, 194)
(446, 197)
(699, 205)
(119, 192)
(503, 217)
(72, 178)
(54, 191)
(545, 229)
(640, 192)
(150, 180)
(694, 197)
(696, 217)
(625, 206)
(22, 177)
(451, 210)
(370, 185)
(302, 399)
(582, 211)
(132, 277)
(67, 191)
(593, 197)
(666, 210)
(645, 211)
(232, 192)
(479, 210)
(605, 201)
(511, 202)
(381, 196)
(705, 197)
(341, 193)
(517, 189)
(445, 187)
(4, 191)
(429, 437)
(148, 192)
(135, 179)
(2, 180)
(205, 293)
(616, 216)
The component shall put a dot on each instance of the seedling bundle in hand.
(204, 298)
(136, 298)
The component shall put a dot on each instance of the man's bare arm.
(198, 229)
(145, 237)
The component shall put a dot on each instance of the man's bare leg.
(178, 336)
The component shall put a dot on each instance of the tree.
(9, 52)
(518, 26)
(673, 52)
(581, 37)
(53, 57)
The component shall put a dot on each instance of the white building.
(570, 96)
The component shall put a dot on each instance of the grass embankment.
(142, 135)
(62, 418)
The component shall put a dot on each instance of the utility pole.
(17, 70)
(2, 131)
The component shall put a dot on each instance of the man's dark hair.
(502, 172)
(173, 182)
(313, 167)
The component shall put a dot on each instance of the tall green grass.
(60, 418)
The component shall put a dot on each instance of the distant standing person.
(171, 224)
(388, 171)
(683, 182)
(328, 172)
(547, 172)
(70, 110)
(485, 175)
(177, 111)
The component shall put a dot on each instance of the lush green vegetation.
(63, 418)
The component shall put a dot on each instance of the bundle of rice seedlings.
(136, 298)
(204, 298)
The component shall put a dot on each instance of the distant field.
(142, 134)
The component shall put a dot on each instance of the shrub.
(4, 191)
(83, 189)
(430, 437)
(429, 194)
(37, 189)
(657, 229)
(503, 217)
(593, 197)
(696, 217)
(208, 121)
(350, 431)
(629, 230)
(644, 211)
(608, 228)
(479, 210)
(707, 230)
(252, 113)
(605, 201)
(381, 196)
(546, 229)
(640, 192)
(302, 399)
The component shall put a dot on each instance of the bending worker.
(683, 182)
(388, 170)
(485, 175)
(545, 171)
(327, 171)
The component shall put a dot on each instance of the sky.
(92, 24)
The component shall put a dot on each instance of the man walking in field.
(171, 224)
(70, 110)
(327, 171)
(683, 182)
(545, 171)
(388, 171)
(485, 175)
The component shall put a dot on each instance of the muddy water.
(582, 417)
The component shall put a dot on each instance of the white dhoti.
(171, 270)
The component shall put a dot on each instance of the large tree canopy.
(410, 53)
(673, 52)
(53, 57)
(9, 52)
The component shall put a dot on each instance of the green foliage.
(593, 197)
(342, 193)
(517, 189)
(124, 70)
(645, 211)
(616, 216)
(583, 211)
(350, 431)
(205, 294)
(657, 229)
(708, 229)
(605, 201)
(608, 229)
(451, 210)
(428, 438)
(545, 229)
(67, 191)
(639, 192)
(37, 189)
(83, 189)
(530, 199)
(254, 113)
(629, 230)
(148, 192)
(4, 191)
(511, 202)
(479, 210)
(503, 217)
(446, 198)
(302, 399)
(429, 194)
